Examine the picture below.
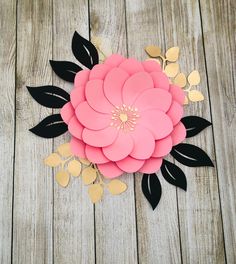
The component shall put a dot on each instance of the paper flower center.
(124, 117)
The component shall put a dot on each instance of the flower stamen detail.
(124, 117)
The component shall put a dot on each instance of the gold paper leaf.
(53, 160)
(195, 96)
(116, 187)
(63, 178)
(156, 60)
(153, 51)
(89, 175)
(84, 161)
(172, 54)
(185, 100)
(95, 192)
(194, 78)
(172, 69)
(180, 80)
(65, 150)
(74, 168)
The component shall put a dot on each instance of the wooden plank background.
(43, 223)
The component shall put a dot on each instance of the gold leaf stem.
(188, 89)
(163, 61)
(63, 162)
(99, 174)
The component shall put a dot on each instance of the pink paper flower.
(124, 116)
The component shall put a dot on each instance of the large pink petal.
(131, 66)
(77, 96)
(151, 165)
(113, 85)
(81, 78)
(154, 99)
(178, 134)
(177, 94)
(67, 112)
(95, 155)
(75, 128)
(120, 148)
(100, 138)
(136, 84)
(110, 170)
(114, 60)
(96, 98)
(144, 143)
(90, 118)
(160, 80)
(151, 66)
(157, 122)
(99, 72)
(77, 147)
(162, 147)
(175, 112)
(130, 164)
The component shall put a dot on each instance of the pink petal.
(136, 84)
(78, 147)
(175, 112)
(177, 94)
(90, 118)
(121, 147)
(157, 122)
(151, 165)
(99, 72)
(96, 98)
(160, 80)
(178, 134)
(114, 60)
(144, 143)
(75, 128)
(100, 138)
(113, 85)
(67, 112)
(77, 96)
(110, 170)
(154, 99)
(151, 66)
(130, 164)
(131, 66)
(81, 78)
(162, 147)
(95, 155)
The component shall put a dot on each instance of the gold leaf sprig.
(103, 46)
(172, 70)
(68, 164)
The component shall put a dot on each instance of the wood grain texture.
(158, 233)
(7, 126)
(115, 215)
(73, 211)
(32, 230)
(218, 23)
(199, 208)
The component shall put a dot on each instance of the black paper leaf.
(49, 96)
(65, 69)
(173, 174)
(191, 155)
(84, 51)
(50, 127)
(194, 125)
(151, 188)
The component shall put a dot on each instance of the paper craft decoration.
(124, 116)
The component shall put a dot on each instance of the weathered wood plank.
(33, 196)
(218, 22)
(7, 115)
(158, 235)
(73, 211)
(199, 208)
(114, 216)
